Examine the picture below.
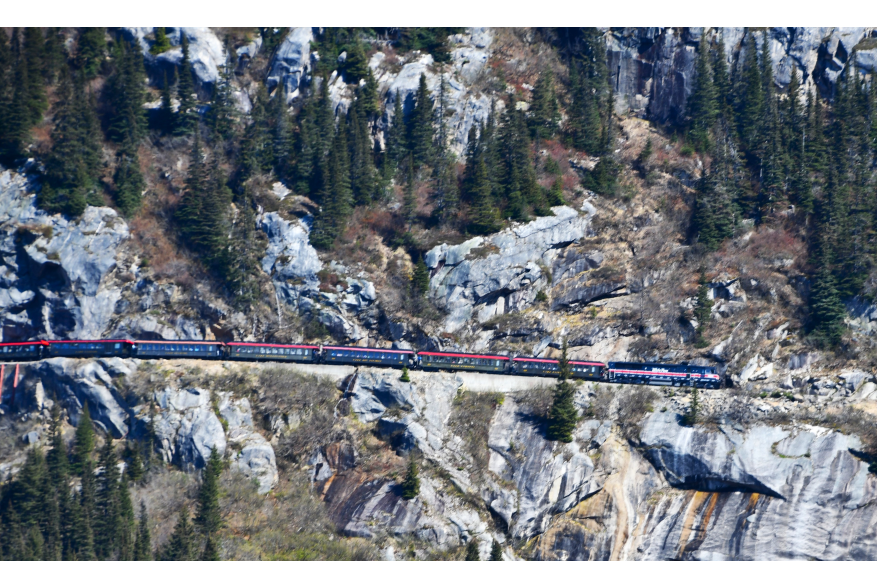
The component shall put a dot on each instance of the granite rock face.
(653, 67)
(490, 276)
(54, 270)
(186, 427)
(291, 61)
(206, 54)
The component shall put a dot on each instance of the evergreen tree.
(405, 378)
(187, 114)
(84, 515)
(162, 43)
(73, 164)
(362, 169)
(128, 179)
(222, 115)
(83, 442)
(411, 484)
(143, 545)
(128, 525)
(16, 116)
(33, 53)
(483, 218)
(722, 83)
(589, 88)
(750, 104)
(420, 281)
(544, 110)
(702, 308)
(181, 546)
(693, 414)
(495, 551)
(714, 215)
(53, 55)
(211, 549)
(108, 519)
(165, 120)
(356, 65)
(701, 106)
(209, 518)
(396, 133)
(91, 48)
(409, 202)
(562, 416)
(371, 95)
(335, 194)
(472, 550)
(126, 93)
(420, 126)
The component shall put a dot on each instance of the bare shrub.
(293, 525)
(470, 420)
(632, 406)
(298, 398)
(536, 402)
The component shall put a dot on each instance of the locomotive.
(682, 375)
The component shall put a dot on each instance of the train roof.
(538, 360)
(286, 346)
(40, 342)
(362, 348)
(96, 340)
(464, 355)
(667, 365)
(176, 342)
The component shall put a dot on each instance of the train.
(681, 375)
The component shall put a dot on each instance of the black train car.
(257, 351)
(344, 355)
(172, 349)
(22, 351)
(88, 348)
(551, 368)
(463, 362)
(660, 374)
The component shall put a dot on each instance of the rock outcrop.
(653, 67)
(490, 276)
(206, 54)
(54, 270)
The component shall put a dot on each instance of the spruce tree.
(108, 519)
(33, 52)
(409, 202)
(693, 414)
(211, 549)
(544, 110)
(187, 113)
(702, 308)
(701, 106)
(411, 484)
(472, 550)
(181, 546)
(162, 43)
(371, 95)
(222, 114)
(128, 525)
(209, 518)
(16, 123)
(84, 515)
(495, 551)
(750, 105)
(420, 280)
(420, 126)
(83, 442)
(405, 377)
(396, 134)
(91, 48)
(562, 416)
(483, 218)
(143, 545)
